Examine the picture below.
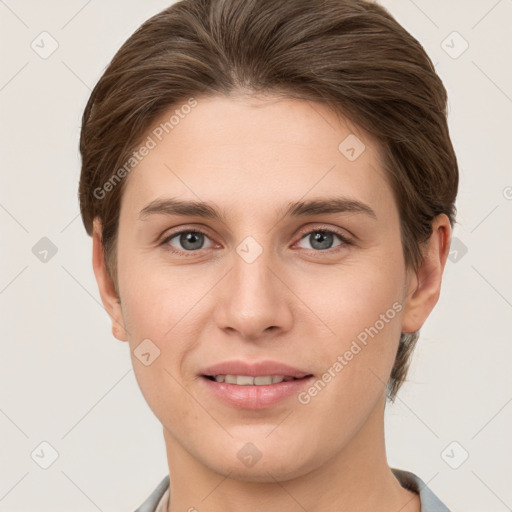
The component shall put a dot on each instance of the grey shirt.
(157, 501)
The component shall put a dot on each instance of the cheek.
(162, 304)
(353, 299)
(163, 324)
(153, 295)
(155, 305)
(362, 310)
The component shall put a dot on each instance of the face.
(261, 277)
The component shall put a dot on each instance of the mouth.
(248, 380)
(254, 392)
(253, 385)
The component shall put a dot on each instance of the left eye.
(322, 239)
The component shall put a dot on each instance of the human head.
(349, 55)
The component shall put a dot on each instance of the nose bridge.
(252, 275)
(254, 299)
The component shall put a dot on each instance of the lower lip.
(255, 397)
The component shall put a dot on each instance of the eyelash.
(344, 240)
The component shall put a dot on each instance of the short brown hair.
(351, 55)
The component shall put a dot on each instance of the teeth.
(246, 380)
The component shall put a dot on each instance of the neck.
(356, 478)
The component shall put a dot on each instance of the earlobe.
(425, 284)
(105, 285)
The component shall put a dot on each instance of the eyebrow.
(173, 206)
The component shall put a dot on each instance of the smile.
(248, 392)
(247, 380)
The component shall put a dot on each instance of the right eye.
(189, 240)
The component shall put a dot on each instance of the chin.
(266, 469)
(260, 473)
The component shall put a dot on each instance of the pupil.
(324, 240)
(191, 240)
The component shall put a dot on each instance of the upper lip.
(254, 369)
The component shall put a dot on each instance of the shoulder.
(154, 498)
(429, 501)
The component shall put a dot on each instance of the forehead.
(245, 151)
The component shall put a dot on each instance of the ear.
(424, 285)
(105, 284)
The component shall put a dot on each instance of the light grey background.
(65, 380)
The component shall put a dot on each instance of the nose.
(254, 302)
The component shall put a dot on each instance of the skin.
(251, 156)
